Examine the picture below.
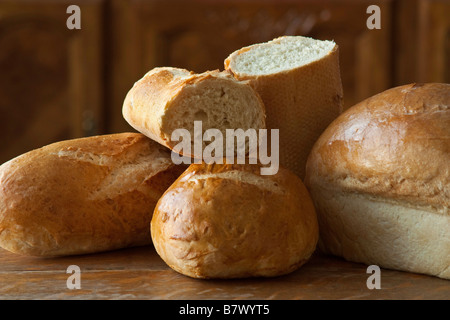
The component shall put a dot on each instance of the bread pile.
(100, 193)
(376, 176)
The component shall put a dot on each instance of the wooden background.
(58, 84)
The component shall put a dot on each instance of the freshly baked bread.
(299, 81)
(84, 195)
(380, 179)
(167, 98)
(228, 221)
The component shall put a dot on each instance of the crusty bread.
(228, 221)
(299, 81)
(84, 195)
(168, 98)
(380, 179)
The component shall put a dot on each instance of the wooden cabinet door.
(199, 35)
(50, 76)
(434, 41)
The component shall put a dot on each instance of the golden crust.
(147, 101)
(227, 221)
(147, 105)
(394, 145)
(379, 177)
(83, 195)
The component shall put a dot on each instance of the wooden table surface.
(139, 273)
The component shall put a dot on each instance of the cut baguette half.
(166, 99)
(298, 79)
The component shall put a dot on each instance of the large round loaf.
(228, 221)
(380, 179)
(84, 195)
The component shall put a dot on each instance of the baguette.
(299, 81)
(168, 98)
(83, 195)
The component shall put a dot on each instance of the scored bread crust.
(380, 178)
(228, 221)
(83, 195)
(301, 102)
(148, 104)
(147, 101)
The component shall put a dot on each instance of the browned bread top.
(166, 99)
(395, 144)
(83, 195)
(228, 221)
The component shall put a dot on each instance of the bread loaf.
(380, 179)
(84, 195)
(166, 99)
(228, 221)
(299, 81)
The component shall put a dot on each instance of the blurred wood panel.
(58, 84)
(51, 85)
(199, 35)
(405, 44)
(434, 41)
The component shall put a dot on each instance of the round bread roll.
(380, 180)
(228, 221)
